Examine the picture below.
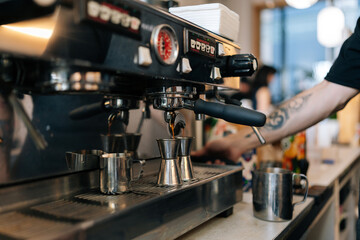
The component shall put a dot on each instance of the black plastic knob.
(240, 65)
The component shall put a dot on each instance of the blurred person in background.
(260, 92)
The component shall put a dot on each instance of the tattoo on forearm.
(278, 118)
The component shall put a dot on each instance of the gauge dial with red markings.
(165, 44)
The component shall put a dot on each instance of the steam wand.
(38, 139)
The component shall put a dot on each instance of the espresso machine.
(68, 69)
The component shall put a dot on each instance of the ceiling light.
(330, 26)
(300, 4)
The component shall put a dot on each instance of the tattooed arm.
(294, 115)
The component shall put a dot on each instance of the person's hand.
(224, 148)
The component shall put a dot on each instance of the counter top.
(243, 225)
(322, 174)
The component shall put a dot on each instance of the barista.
(302, 111)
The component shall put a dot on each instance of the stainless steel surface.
(120, 103)
(186, 167)
(116, 172)
(171, 98)
(83, 159)
(273, 194)
(91, 215)
(169, 171)
(169, 148)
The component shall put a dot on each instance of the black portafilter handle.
(230, 113)
(239, 65)
(87, 111)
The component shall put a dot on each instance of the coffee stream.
(172, 126)
(111, 120)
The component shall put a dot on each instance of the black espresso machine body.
(96, 49)
(86, 62)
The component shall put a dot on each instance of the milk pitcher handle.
(141, 171)
(306, 188)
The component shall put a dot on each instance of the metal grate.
(204, 172)
(116, 202)
(54, 218)
(73, 210)
(19, 226)
(148, 185)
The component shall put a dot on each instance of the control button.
(105, 13)
(254, 64)
(192, 43)
(135, 23)
(93, 9)
(198, 44)
(185, 66)
(215, 73)
(116, 16)
(144, 56)
(207, 48)
(212, 50)
(125, 21)
(221, 50)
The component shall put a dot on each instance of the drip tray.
(142, 213)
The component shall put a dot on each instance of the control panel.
(199, 44)
(115, 15)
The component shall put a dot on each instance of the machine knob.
(185, 66)
(143, 58)
(221, 50)
(240, 65)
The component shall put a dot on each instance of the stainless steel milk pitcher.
(273, 193)
(116, 172)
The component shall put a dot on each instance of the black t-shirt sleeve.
(346, 68)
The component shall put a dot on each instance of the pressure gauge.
(165, 44)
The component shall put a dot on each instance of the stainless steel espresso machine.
(68, 70)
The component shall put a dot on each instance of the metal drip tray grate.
(116, 202)
(205, 172)
(147, 185)
(56, 219)
(15, 225)
(73, 210)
